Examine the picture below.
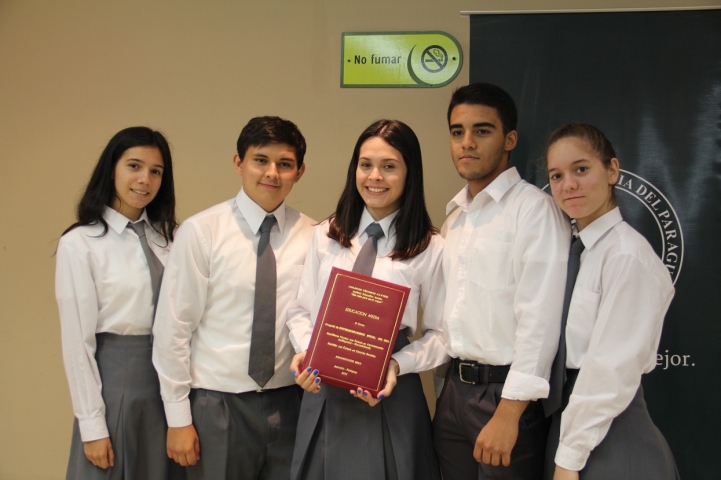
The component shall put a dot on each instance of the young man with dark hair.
(221, 345)
(504, 263)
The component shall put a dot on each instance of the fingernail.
(381, 396)
(294, 374)
(365, 394)
(309, 369)
(315, 372)
(360, 391)
(317, 380)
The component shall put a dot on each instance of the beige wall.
(74, 73)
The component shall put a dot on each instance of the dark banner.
(652, 82)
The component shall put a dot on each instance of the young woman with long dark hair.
(351, 434)
(109, 265)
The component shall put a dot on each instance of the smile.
(138, 192)
(377, 189)
(265, 185)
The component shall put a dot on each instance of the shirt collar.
(462, 199)
(598, 228)
(385, 223)
(254, 213)
(497, 189)
(118, 222)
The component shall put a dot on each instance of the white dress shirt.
(614, 326)
(205, 311)
(102, 285)
(422, 274)
(504, 264)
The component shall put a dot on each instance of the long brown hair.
(412, 224)
(101, 188)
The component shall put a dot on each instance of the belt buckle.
(460, 372)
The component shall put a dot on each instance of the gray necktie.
(366, 259)
(156, 268)
(558, 369)
(261, 364)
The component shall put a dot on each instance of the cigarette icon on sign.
(434, 58)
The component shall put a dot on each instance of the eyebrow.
(475, 125)
(282, 159)
(133, 159)
(389, 159)
(572, 163)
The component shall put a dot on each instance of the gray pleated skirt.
(633, 449)
(133, 412)
(340, 436)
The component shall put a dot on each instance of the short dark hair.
(592, 136)
(412, 224)
(101, 188)
(490, 96)
(262, 131)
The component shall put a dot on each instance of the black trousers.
(462, 411)
(245, 436)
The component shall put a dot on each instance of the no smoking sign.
(399, 59)
(434, 59)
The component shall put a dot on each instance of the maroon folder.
(356, 329)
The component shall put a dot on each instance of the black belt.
(473, 372)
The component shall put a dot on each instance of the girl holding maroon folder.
(351, 434)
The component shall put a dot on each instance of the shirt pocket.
(289, 287)
(404, 274)
(399, 273)
(491, 264)
(582, 314)
(295, 273)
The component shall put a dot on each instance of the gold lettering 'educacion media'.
(357, 324)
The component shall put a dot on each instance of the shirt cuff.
(178, 413)
(406, 362)
(522, 386)
(300, 345)
(93, 429)
(571, 458)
